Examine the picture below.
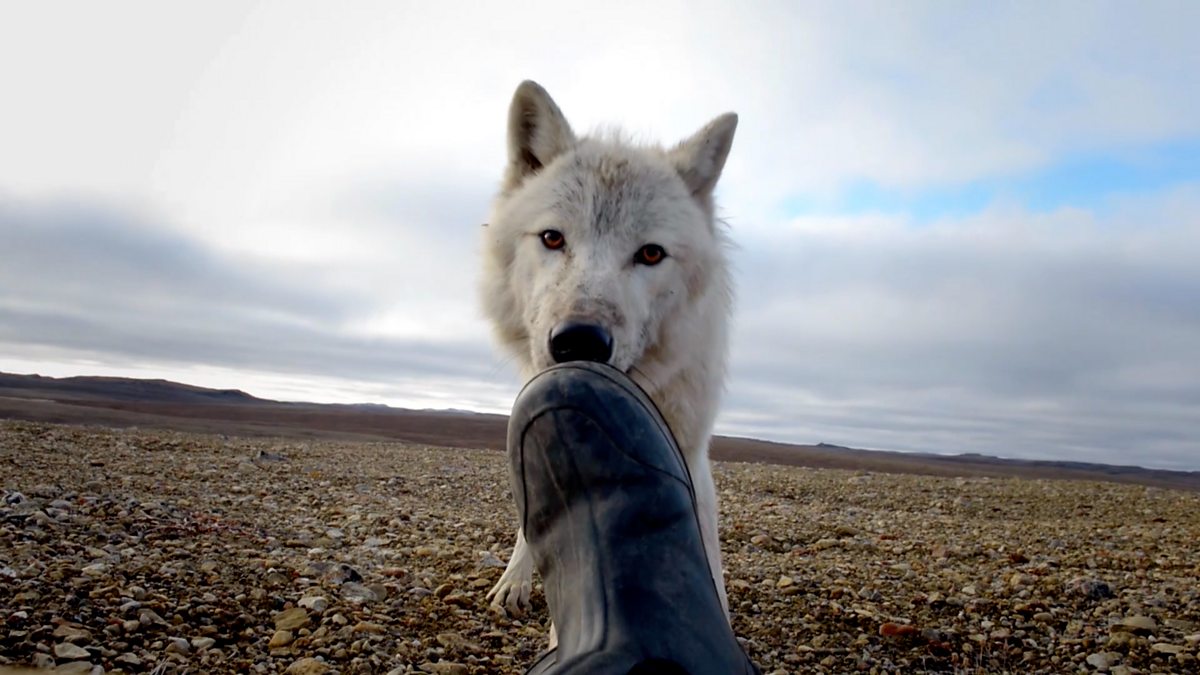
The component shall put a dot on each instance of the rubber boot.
(608, 510)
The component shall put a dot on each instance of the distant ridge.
(121, 389)
(123, 402)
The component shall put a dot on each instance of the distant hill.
(120, 402)
(117, 389)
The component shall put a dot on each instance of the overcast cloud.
(960, 228)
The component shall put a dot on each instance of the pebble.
(1099, 661)
(1138, 624)
(316, 603)
(291, 619)
(281, 638)
(358, 593)
(1166, 648)
(490, 561)
(178, 645)
(445, 668)
(66, 650)
(307, 666)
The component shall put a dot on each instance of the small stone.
(458, 600)
(128, 659)
(95, 569)
(66, 650)
(489, 560)
(369, 627)
(1138, 624)
(178, 645)
(425, 551)
(316, 603)
(281, 638)
(1093, 589)
(784, 582)
(898, 630)
(1099, 661)
(202, 643)
(445, 668)
(148, 616)
(1166, 648)
(455, 641)
(291, 619)
(358, 593)
(307, 666)
(71, 633)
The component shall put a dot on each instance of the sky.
(959, 227)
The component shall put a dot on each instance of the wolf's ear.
(700, 159)
(537, 133)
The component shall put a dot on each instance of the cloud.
(1008, 332)
(87, 280)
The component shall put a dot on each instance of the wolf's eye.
(553, 239)
(650, 254)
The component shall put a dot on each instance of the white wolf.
(604, 250)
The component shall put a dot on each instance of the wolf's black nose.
(575, 341)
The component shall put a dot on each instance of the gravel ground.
(138, 551)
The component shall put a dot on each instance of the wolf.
(602, 249)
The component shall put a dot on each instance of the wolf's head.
(601, 250)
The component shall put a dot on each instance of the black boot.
(607, 507)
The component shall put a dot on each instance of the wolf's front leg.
(513, 589)
(706, 507)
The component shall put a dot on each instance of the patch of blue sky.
(1085, 181)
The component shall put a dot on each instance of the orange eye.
(650, 254)
(553, 239)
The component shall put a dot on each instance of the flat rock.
(291, 619)
(66, 650)
(307, 666)
(1138, 624)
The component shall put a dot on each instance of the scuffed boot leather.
(607, 507)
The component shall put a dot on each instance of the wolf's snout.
(577, 341)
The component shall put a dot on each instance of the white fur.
(669, 322)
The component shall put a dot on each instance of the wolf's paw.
(512, 591)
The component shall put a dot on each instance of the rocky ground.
(135, 551)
